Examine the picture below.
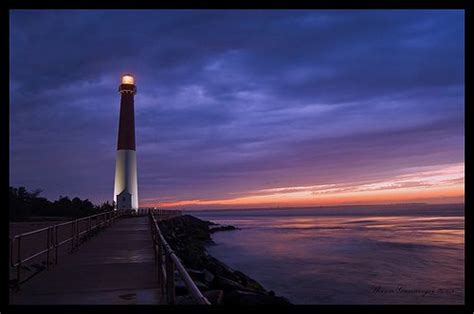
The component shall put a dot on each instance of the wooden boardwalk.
(115, 266)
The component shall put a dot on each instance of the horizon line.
(317, 206)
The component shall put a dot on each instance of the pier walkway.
(116, 266)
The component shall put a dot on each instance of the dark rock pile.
(188, 236)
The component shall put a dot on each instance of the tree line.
(25, 204)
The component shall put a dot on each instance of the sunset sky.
(242, 109)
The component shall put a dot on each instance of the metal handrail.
(171, 260)
(52, 242)
(157, 211)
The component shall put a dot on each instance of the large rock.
(201, 275)
(208, 276)
(226, 284)
(213, 296)
(222, 228)
(196, 274)
(250, 298)
(182, 289)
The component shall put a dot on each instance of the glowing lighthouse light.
(128, 79)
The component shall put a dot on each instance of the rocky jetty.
(222, 228)
(188, 236)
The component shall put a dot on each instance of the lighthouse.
(126, 187)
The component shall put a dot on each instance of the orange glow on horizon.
(443, 184)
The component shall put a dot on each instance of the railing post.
(170, 279)
(151, 219)
(72, 236)
(11, 251)
(160, 266)
(48, 246)
(155, 249)
(18, 267)
(56, 244)
(77, 234)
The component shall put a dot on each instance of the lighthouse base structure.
(126, 180)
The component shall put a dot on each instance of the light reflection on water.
(314, 259)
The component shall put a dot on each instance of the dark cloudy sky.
(233, 104)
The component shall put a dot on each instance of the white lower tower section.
(126, 175)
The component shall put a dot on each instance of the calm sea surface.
(312, 257)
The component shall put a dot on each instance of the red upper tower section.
(126, 133)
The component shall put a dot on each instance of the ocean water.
(311, 256)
